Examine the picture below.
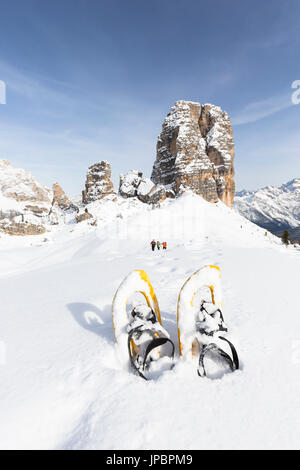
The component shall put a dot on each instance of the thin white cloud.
(51, 97)
(253, 112)
(27, 86)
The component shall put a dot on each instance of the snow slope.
(62, 385)
(20, 185)
(275, 208)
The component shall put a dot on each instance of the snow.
(279, 206)
(62, 383)
(130, 183)
(145, 187)
(9, 204)
(24, 199)
(19, 182)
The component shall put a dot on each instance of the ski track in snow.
(62, 386)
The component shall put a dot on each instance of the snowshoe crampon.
(139, 333)
(201, 326)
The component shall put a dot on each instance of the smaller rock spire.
(98, 182)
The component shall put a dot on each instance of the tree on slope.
(285, 237)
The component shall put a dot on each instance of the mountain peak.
(195, 151)
(293, 185)
(275, 208)
(19, 184)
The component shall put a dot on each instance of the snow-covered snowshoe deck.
(150, 348)
(201, 329)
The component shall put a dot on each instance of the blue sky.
(94, 79)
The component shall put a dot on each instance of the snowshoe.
(139, 334)
(202, 330)
(148, 341)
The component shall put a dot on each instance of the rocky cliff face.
(22, 228)
(26, 206)
(134, 185)
(83, 216)
(60, 198)
(195, 151)
(98, 182)
(129, 183)
(24, 203)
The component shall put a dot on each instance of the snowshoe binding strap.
(150, 316)
(155, 343)
(232, 362)
(219, 327)
(235, 356)
(132, 361)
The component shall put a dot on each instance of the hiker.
(164, 245)
(158, 245)
(153, 245)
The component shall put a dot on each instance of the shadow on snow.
(91, 318)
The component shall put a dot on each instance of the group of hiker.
(158, 245)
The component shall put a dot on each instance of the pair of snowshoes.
(201, 329)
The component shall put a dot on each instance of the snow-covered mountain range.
(195, 151)
(274, 208)
(28, 207)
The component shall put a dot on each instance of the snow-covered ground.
(275, 208)
(62, 385)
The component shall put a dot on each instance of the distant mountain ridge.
(26, 206)
(274, 208)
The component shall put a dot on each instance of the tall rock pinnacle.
(195, 151)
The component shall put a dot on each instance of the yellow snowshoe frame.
(136, 282)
